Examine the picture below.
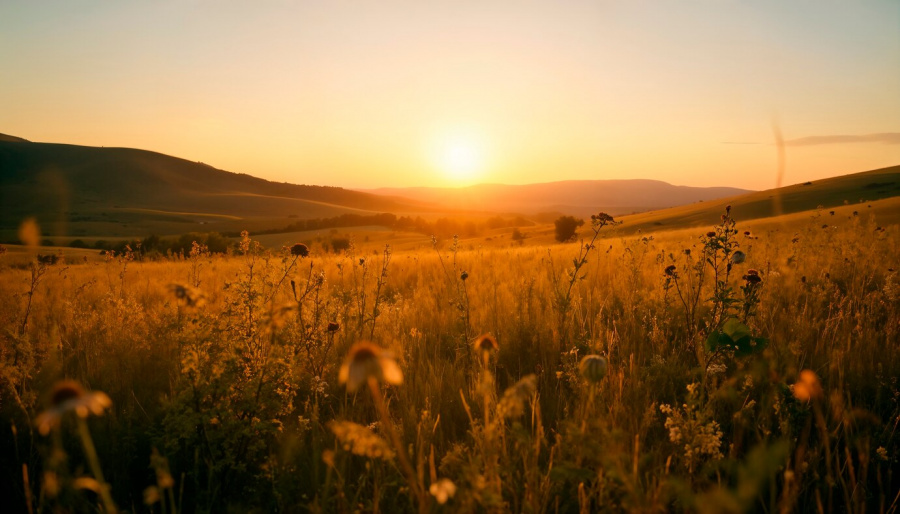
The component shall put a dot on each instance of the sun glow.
(460, 159)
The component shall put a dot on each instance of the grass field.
(708, 390)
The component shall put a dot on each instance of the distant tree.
(518, 236)
(78, 243)
(339, 244)
(566, 226)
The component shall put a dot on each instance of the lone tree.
(566, 227)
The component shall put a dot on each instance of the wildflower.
(746, 232)
(188, 296)
(360, 440)
(442, 490)
(738, 257)
(593, 368)
(485, 343)
(670, 271)
(66, 396)
(300, 250)
(808, 387)
(512, 405)
(752, 277)
(882, 453)
(728, 208)
(464, 275)
(368, 360)
(711, 234)
(333, 327)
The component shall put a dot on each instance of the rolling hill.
(79, 190)
(843, 192)
(574, 197)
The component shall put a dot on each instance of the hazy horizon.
(424, 95)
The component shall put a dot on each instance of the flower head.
(807, 387)
(442, 490)
(66, 396)
(593, 368)
(368, 360)
(485, 343)
(300, 250)
(188, 296)
(671, 270)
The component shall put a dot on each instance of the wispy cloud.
(888, 138)
(740, 143)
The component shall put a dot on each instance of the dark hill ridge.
(13, 139)
(855, 191)
(578, 197)
(70, 185)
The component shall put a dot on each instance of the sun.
(461, 159)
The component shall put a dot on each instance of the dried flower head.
(188, 296)
(300, 250)
(333, 326)
(485, 343)
(66, 396)
(368, 360)
(807, 387)
(464, 275)
(671, 270)
(360, 440)
(738, 257)
(593, 368)
(711, 233)
(442, 490)
(512, 404)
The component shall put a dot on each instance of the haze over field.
(368, 94)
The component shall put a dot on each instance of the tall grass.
(223, 375)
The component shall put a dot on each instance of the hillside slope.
(853, 189)
(77, 189)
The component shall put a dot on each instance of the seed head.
(711, 234)
(670, 270)
(188, 296)
(593, 368)
(300, 250)
(368, 360)
(485, 343)
(333, 327)
(68, 395)
(464, 275)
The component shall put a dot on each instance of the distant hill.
(13, 139)
(857, 189)
(80, 190)
(574, 197)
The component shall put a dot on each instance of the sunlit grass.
(595, 386)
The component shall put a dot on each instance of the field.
(723, 368)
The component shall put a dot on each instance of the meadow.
(705, 370)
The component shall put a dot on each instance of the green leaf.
(735, 329)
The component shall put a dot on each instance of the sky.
(423, 93)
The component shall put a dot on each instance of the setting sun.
(460, 159)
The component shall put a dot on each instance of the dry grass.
(225, 396)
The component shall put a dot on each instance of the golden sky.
(367, 94)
